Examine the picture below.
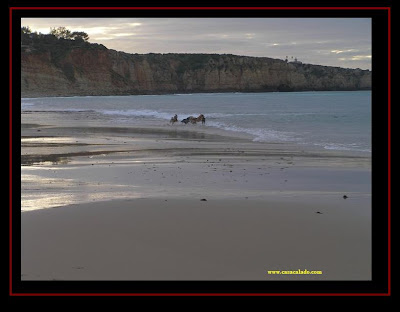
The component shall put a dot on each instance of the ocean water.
(329, 120)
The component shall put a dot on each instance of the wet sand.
(129, 205)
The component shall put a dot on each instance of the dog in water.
(174, 119)
(186, 120)
(194, 120)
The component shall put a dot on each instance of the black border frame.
(380, 284)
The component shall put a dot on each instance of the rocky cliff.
(63, 68)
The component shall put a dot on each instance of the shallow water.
(330, 120)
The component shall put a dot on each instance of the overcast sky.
(343, 42)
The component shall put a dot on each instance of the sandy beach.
(175, 202)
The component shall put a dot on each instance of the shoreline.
(163, 128)
(158, 203)
(50, 152)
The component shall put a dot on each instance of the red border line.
(389, 151)
(10, 151)
(202, 294)
(200, 8)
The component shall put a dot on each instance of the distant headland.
(54, 65)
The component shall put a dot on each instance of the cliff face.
(95, 70)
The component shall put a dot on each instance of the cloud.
(356, 58)
(344, 51)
